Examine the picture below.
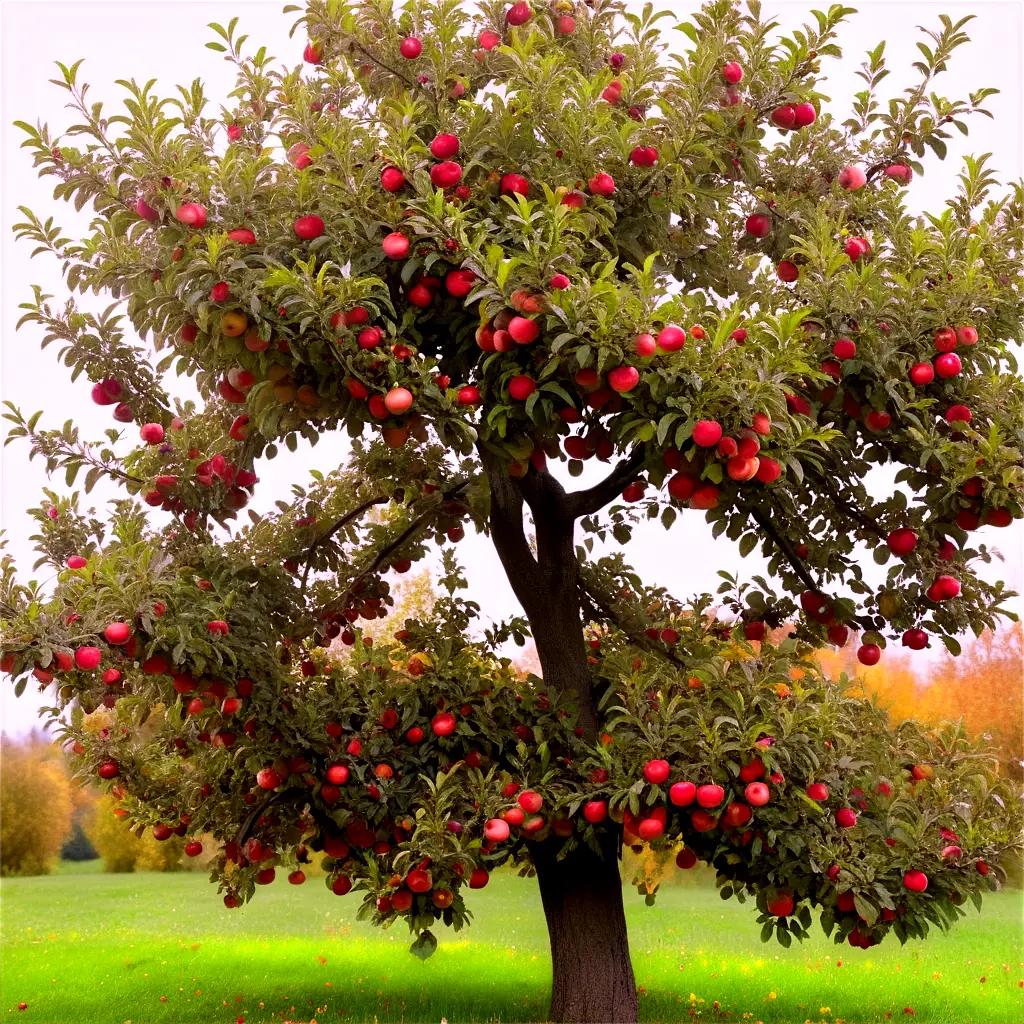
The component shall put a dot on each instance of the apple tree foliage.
(479, 241)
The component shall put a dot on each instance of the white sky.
(165, 41)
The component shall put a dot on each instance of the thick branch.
(607, 611)
(593, 499)
(795, 561)
(338, 524)
(509, 536)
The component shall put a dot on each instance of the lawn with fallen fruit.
(86, 948)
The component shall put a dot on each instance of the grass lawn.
(87, 948)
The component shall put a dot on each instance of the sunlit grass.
(86, 948)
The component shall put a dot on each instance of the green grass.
(87, 948)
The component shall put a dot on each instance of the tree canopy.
(489, 245)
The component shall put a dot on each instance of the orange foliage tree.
(984, 687)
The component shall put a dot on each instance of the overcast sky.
(165, 41)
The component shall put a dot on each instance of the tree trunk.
(592, 976)
(591, 973)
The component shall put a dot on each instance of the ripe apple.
(732, 73)
(489, 40)
(650, 828)
(869, 654)
(152, 433)
(601, 184)
(392, 179)
(644, 345)
(686, 859)
(443, 724)
(193, 849)
(915, 639)
(459, 283)
(444, 146)
(915, 881)
(410, 47)
(496, 830)
(145, 211)
(520, 387)
(398, 401)
(396, 246)
(117, 633)
(817, 791)
(682, 794)
(856, 248)
(966, 335)
(298, 156)
(514, 184)
(759, 225)
(852, 178)
(787, 271)
(242, 236)
(948, 365)
(530, 801)
(109, 770)
(804, 114)
(844, 348)
(523, 330)
(268, 778)
(784, 117)
(902, 542)
(446, 174)
(595, 811)
(519, 13)
(781, 904)
(671, 338)
(709, 796)
(311, 55)
(623, 379)
(707, 433)
(643, 156)
(846, 817)
(656, 771)
(900, 173)
(757, 794)
(308, 227)
(192, 215)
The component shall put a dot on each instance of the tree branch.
(339, 524)
(593, 499)
(509, 536)
(609, 613)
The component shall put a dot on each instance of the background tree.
(500, 240)
(35, 805)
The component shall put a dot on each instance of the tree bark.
(592, 976)
(591, 973)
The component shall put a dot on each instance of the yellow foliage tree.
(122, 850)
(35, 805)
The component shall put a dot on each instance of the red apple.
(396, 246)
(623, 379)
(915, 881)
(846, 817)
(787, 271)
(192, 215)
(410, 48)
(869, 654)
(732, 73)
(392, 179)
(852, 178)
(759, 225)
(757, 794)
(656, 771)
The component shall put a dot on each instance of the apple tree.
(546, 273)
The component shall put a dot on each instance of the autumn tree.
(35, 805)
(542, 273)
